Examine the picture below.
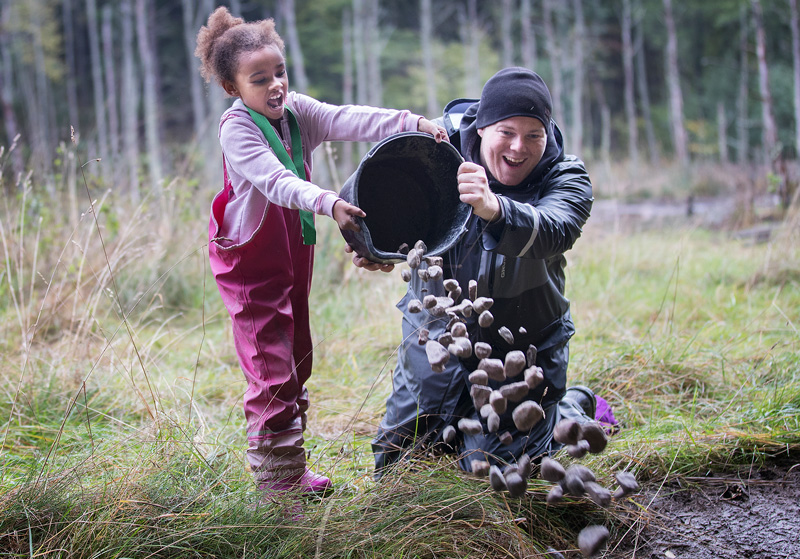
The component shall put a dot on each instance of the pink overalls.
(265, 285)
(263, 269)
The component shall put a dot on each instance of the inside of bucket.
(409, 193)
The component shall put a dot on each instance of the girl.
(262, 230)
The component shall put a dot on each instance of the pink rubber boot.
(307, 483)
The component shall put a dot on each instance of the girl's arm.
(323, 122)
(251, 160)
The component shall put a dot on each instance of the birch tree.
(68, 23)
(287, 10)
(576, 137)
(426, 41)
(679, 137)
(359, 56)
(111, 98)
(527, 36)
(7, 90)
(506, 38)
(150, 94)
(130, 101)
(193, 17)
(44, 142)
(373, 52)
(796, 71)
(722, 133)
(346, 161)
(98, 88)
(742, 99)
(554, 54)
(471, 40)
(644, 94)
(627, 65)
(770, 131)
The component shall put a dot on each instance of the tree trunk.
(373, 53)
(191, 24)
(644, 95)
(44, 146)
(506, 38)
(151, 110)
(471, 40)
(722, 133)
(299, 78)
(130, 102)
(605, 126)
(112, 104)
(346, 160)
(627, 64)
(7, 95)
(218, 100)
(796, 73)
(528, 37)
(359, 56)
(68, 22)
(101, 122)
(679, 137)
(426, 38)
(742, 100)
(576, 139)
(554, 54)
(770, 131)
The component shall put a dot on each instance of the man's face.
(511, 148)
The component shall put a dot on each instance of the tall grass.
(120, 418)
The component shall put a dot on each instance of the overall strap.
(293, 163)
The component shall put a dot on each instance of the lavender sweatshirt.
(257, 176)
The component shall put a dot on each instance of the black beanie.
(514, 92)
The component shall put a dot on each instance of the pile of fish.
(520, 369)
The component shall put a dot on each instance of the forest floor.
(753, 513)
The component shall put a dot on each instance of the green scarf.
(294, 163)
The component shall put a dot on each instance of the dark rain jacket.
(519, 262)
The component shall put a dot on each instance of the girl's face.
(511, 148)
(261, 82)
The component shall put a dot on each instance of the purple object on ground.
(605, 416)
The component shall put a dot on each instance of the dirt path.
(752, 514)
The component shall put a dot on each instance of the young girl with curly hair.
(262, 230)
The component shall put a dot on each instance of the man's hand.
(473, 189)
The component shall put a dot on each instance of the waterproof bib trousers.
(265, 283)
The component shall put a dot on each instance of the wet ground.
(754, 513)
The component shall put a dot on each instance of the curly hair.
(224, 38)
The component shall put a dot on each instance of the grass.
(121, 428)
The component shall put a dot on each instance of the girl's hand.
(473, 189)
(361, 262)
(345, 214)
(438, 132)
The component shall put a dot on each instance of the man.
(529, 203)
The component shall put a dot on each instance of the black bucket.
(408, 188)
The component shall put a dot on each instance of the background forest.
(642, 81)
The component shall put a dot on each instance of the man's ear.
(230, 88)
(480, 132)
